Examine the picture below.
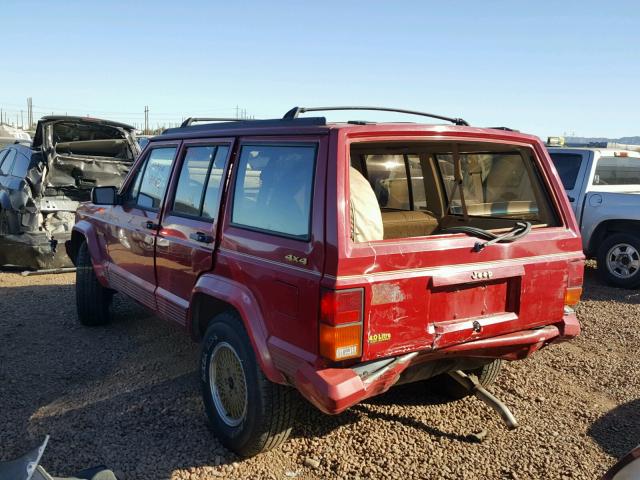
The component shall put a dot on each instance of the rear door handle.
(151, 226)
(571, 199)
(201, 237)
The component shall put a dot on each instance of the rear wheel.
(248, 413)
(487, 374)
(619, 260)
(93, 301)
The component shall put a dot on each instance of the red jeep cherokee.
(339, 259)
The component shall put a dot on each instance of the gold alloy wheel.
(228, 384)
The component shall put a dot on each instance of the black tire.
(613, 252)
(93, 301)
(486, 375)
(268, 410)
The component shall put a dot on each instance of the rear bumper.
(333, 390)
(34, 251)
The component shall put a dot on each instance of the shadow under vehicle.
(42, 185)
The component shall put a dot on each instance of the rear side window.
(568, 166)
(151, 180)
(617, 171)
(197, 193)
(273, 189)
(7, 163)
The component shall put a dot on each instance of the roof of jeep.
(319, 125)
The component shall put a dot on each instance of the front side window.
(151, 179)
(5, 168)
(193, 176)
(200, 180)
(568, 166)
(617, 171)
(273, 189)
(212, 193)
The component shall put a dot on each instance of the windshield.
(423, 189)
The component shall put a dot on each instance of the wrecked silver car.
(41, 186)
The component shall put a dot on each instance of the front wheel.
(248, 413)
(619, 260)
(93, 301)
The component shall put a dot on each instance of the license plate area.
(465, 312)
(455, 302)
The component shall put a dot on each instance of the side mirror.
(104, 195)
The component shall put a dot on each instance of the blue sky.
(541, 67)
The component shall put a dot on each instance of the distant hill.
(623, 140)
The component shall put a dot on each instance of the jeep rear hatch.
(474, 244)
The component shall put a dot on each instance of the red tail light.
(575, 279)
(341, 324)
(338, 307)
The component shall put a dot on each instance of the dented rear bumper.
(34, 251)
(333, 390)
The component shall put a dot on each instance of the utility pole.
(146, 119)
(29, 112)
(21, 120)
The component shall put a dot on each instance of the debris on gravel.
(311, 462)
(127, 395)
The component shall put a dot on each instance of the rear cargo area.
(84, 155)
(464, 243)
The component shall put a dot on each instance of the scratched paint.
(383, 293)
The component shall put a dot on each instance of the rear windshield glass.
(617, 171)
(567, 165)
(424, 188)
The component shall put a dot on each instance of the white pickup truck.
(603, 186)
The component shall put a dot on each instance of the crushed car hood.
(82, 153)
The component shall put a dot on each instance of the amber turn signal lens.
(572, 296)
(340, 342)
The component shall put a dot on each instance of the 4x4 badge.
(483, 275)
(294, 259)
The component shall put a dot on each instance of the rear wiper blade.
(519, 230)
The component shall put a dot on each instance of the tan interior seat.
(366, 222)
(399, 224)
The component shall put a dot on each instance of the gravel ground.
(128, 396)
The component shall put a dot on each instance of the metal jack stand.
(471, 383)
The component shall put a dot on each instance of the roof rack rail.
(506, 129)
(191, 120)
(295, 111)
